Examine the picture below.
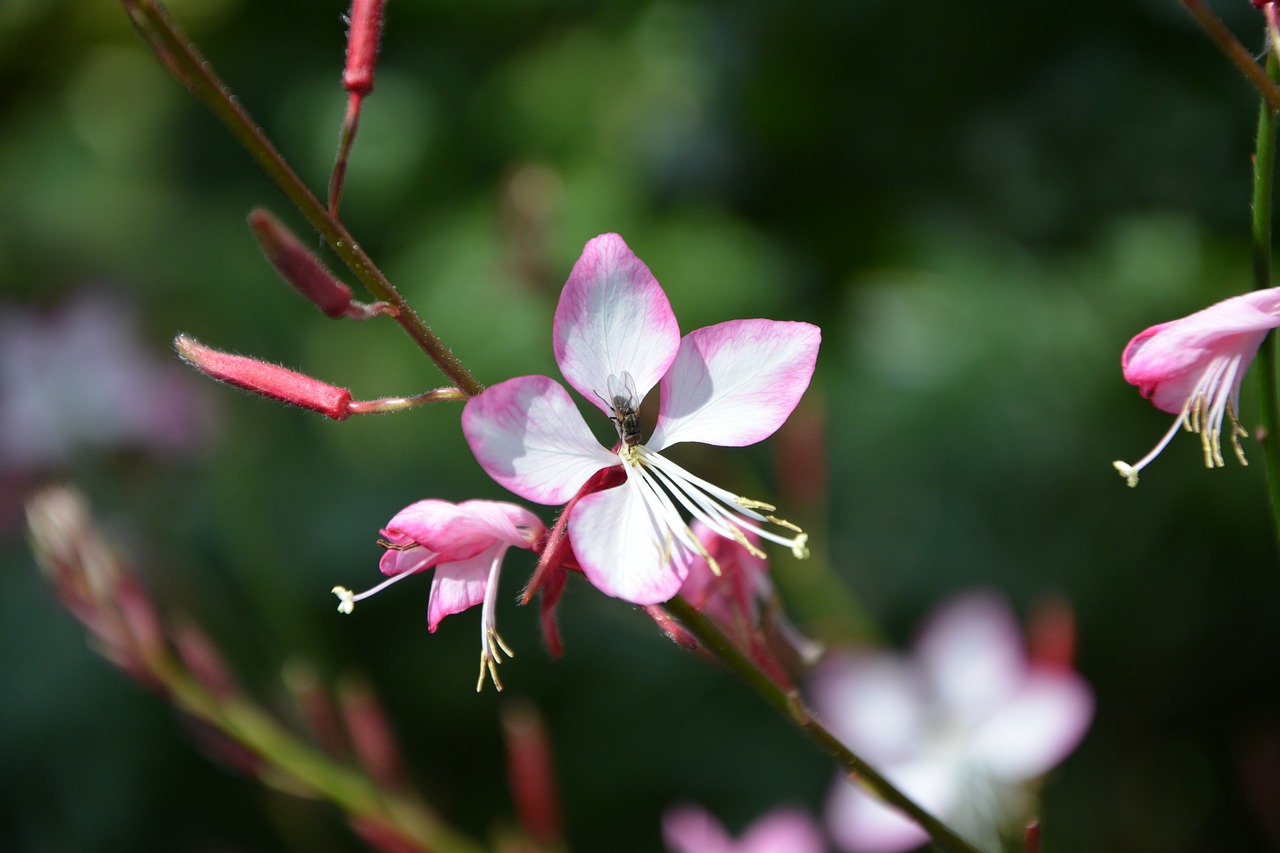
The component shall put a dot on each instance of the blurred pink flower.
(961, 727)
(615, 338)
(81, 377)
(1193, 367)
(690, 829)
(465, 543)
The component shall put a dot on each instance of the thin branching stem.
(185, 63)
(1239, 55)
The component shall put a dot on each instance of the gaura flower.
(465, 543)
(615, 338)
(690, 829)
(1193, 367)
(962, 727)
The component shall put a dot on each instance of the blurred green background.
(979, 203)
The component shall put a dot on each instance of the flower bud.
(362, 46)
(298, 266)
(269, 380)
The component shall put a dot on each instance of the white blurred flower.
(80, 376)
(962, 727)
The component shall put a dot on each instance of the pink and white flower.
(1193, 367)
(690, 829)
(615, 338)
(961, 727)
(465, 543)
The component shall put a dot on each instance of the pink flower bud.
(371, 735)
(362, 46)
(269, 380)
(531, 772)
(298, 266)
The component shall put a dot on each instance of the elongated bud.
(363, 34)
(371, 734)
(531, 772)
(269, 380)
(298, 266)
(362, 46)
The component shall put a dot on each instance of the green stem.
(188, 66)
(351, 791)
(791, 705)
(1264, 163)
(1235, 51)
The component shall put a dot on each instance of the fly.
(624, 401)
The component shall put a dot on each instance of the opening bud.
(269, 380)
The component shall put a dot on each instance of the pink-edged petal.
(1167, 361)
(613, 317)
(783, 831)
(439, 527)
(461, 584)
(411, 559)
(1038, 728)
(690, 829)
(874, 702)
(859, 823)
(735, 383)
(504, 521)
(619, 548)
(529, 437)
(972, 654)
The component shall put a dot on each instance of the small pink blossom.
(1193, 367)
(961, 727)
(465, 544)
(615, 338)
(690, 829)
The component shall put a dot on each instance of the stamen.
(490, 659)
(727, 514)
(347, 599)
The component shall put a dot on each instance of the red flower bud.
(298, 266)
(365, 32)
(269, 380)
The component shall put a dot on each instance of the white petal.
(973, 656)
(735, 383)
(873, 702)
(527, 434)
(618, 544)
(613, 317)
(860, 823)
(1037, 729)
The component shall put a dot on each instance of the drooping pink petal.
(440, 527)
(735, 383)
(506, 522)
(1038, 728)
(972, 654)
(461, 584)
(613, 317)
(411, 559)
(1167, 361)
(619, 548)
(691, 829)
(529, 437)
